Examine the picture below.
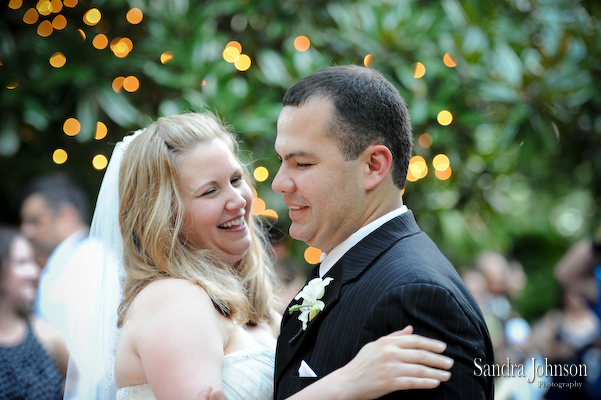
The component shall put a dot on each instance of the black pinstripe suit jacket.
(394, 277)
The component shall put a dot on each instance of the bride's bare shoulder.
(170, 298)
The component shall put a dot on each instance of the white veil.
(91, 367)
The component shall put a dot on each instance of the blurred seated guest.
(505, 281)
(33, 356)
(579, 271)
(477, 284)
(564, 336)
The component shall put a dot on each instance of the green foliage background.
(524, 144)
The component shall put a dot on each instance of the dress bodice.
(247, 375)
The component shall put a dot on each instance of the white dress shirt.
(49, 291)
(68, 284)
(328, 260)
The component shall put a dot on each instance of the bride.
(190, 264)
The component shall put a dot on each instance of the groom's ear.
(377, 162)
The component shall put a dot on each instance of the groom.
(344, 140)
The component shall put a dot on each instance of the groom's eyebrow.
(300, 153)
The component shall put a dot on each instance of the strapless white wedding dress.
(247, 375)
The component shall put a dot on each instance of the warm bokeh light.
(99, 161)
(92, 17)
(12, 85)
(15, 4)
(234, 44)
(259, 206)
(441, 162)
(58, 60)
(100, 41)
(312, 255)
(411, 177)
(31, 16)
(71, 127)
(82, 34)
(242, 63)
(57, 6)
(128, 43)
(449, 61)
(45, 28)
(418, 169)
(59, 22)
(444, 118)
(419, 70)
(425, 140)
(302, 43)
(70, 3)
(131, 84)
(269, 213)
(118, 83)
(231, 52)
(444, 175)
(166, 57)
(368, 60)
(122, 46)
(44, 7)
(59, 156)
(134, 16)
(261, 174)
(101, 131)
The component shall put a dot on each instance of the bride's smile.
(217, 200)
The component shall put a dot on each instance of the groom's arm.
(436, 313)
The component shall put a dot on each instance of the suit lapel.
(329, 298)
(293, 336)
(346, 270)
(287, 316)
(364, 253)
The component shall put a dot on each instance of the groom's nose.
(282, 183)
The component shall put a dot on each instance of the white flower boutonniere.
(311, 305)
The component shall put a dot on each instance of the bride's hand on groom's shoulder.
(209, 394)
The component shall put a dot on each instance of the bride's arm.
(179, 339)
(398, 361)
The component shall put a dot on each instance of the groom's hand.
(208, 394)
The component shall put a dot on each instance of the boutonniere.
(311, 295)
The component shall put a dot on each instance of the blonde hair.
(151, 217)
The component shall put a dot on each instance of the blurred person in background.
(33, 355)
(564, 336)
(505, 281)
(54, 214)
(579, 272)
(495, 282)
(53, 209)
